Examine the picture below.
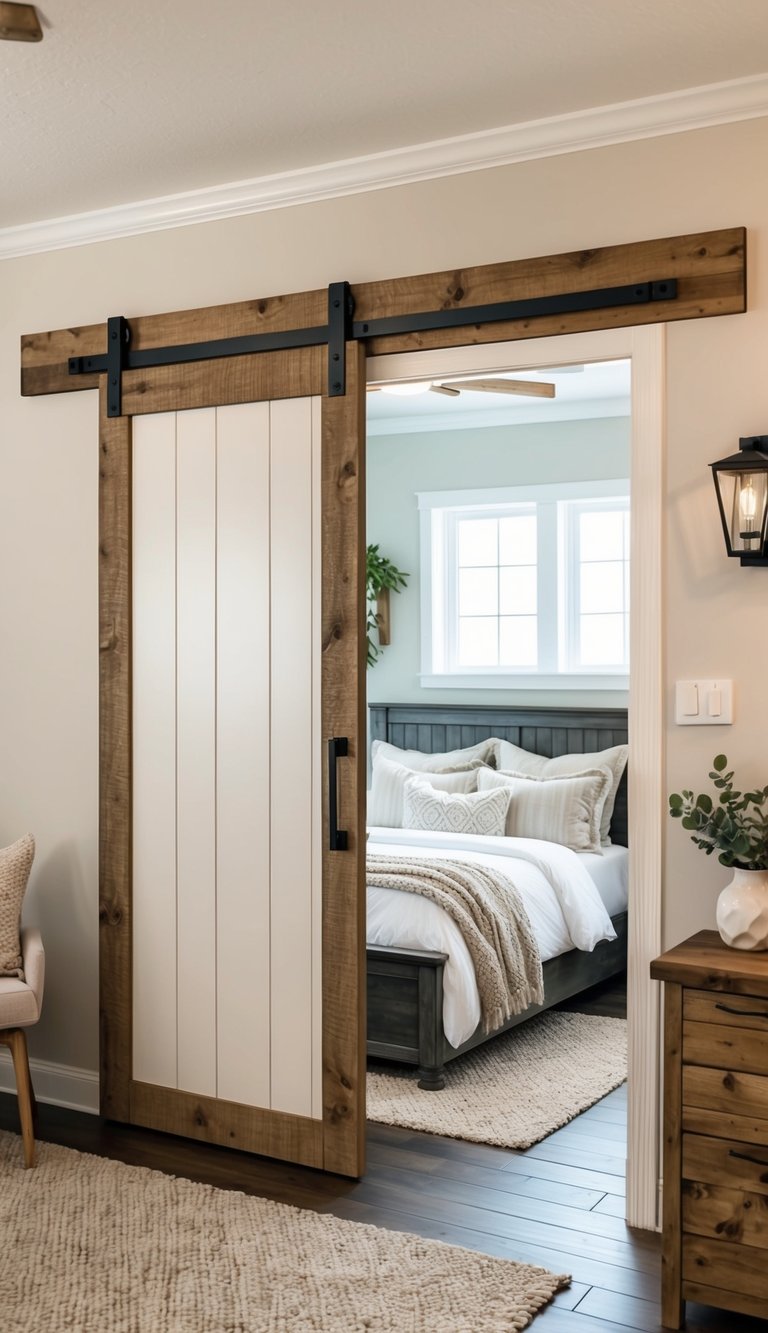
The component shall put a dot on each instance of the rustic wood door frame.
(337, 1142)
(709, 270)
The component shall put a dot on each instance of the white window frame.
(436, 509)
(570, 609)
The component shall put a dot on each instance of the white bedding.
(569, 897)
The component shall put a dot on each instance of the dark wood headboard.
(548, 731)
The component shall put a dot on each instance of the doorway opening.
(509, 513)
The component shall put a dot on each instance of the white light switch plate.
(704, 703)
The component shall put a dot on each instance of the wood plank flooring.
(559, 1204)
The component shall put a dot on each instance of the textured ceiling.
(127, 102)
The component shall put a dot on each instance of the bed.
(408, 994)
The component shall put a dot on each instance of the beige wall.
(715, 612)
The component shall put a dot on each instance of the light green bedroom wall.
(399, 466)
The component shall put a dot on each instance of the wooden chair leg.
(17, 1040)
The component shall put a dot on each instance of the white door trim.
(645, 346)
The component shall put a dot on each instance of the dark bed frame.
(405, 986)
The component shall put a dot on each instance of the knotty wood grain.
(728, 1090)
(704, 961)
(720, 1211)
(292, 1138)
(343, 714)
(727, 1265)
(671, 1302)
(115, 759)
(726, 1047)
(710, 268)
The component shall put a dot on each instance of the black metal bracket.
(341, 307)
(118, 339)
(342, 328)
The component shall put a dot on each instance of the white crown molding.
(59, 1085)
(597, 127)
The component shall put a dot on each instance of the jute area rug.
(514, 1090)
(93, 1246)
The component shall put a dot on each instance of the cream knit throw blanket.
(489, 912)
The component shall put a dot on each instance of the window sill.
(491, 681)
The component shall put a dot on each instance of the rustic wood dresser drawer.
(715, 1128)
(738, 1011)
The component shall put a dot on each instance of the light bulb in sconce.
(741, 486)
(748, 510)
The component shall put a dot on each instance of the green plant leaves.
(735, 825)
(380, 573)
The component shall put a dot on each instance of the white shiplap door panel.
(243, 747)
(196, 748)
(228, 754)
(291, 755)
(154, 749)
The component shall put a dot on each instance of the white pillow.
(385, 808)
(482, 813)
(511, 758)
(565, 810)
(449, 762)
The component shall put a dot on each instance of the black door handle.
(338, 748)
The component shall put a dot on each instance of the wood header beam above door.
(709, 267)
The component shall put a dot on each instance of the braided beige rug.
(93, 1246)
(515, 1089)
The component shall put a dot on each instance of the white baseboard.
(58, 1085)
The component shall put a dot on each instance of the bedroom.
(438, 469)
(663, 177)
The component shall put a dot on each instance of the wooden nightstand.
(715, 1209)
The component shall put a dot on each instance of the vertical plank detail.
(671, 1258)
(242, 754)
(196, 749)
(115, 755)
(154, 749)
(343, 714)
(291, 755)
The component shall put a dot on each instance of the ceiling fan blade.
(444, 388)
(19, 23)
(373, 388)
(528, 388)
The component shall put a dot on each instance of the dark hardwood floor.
(560, 1204)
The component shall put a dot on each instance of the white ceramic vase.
(742, 910)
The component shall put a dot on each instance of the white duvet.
(562, 901)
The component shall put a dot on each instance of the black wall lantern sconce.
(741, 483)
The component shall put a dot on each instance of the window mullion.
(547, 599)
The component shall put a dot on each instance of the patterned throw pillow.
(15, 865)
(385, 803)
(484, 813)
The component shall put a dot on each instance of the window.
(526, 585)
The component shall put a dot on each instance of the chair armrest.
(33, 956)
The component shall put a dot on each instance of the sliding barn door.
(241, 957)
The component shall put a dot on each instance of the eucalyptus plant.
(379, 573)
(734, 823)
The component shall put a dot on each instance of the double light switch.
(703, 703)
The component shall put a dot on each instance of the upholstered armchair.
(21, 1003)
